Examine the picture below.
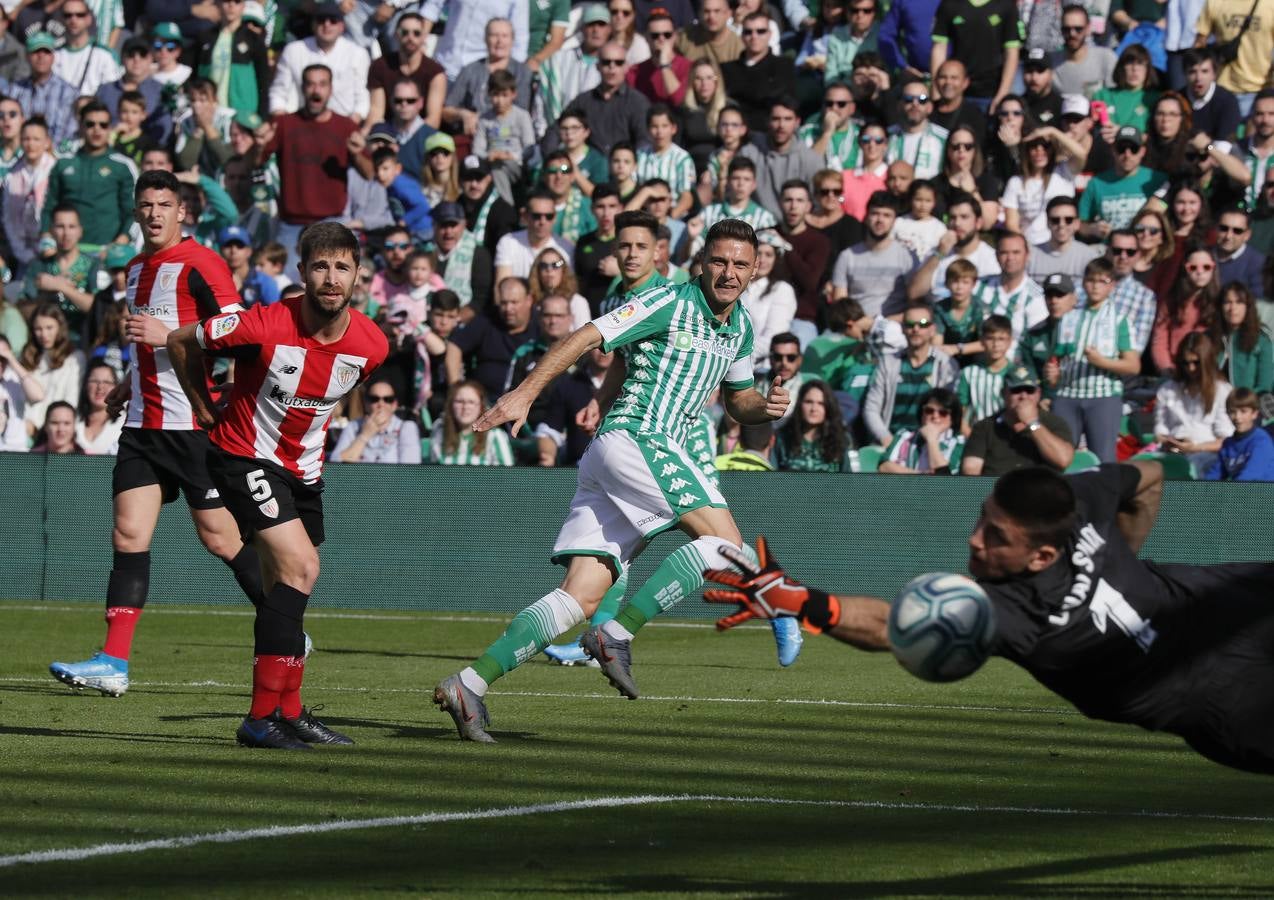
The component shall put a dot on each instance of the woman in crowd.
(111, 345)
(1169, 137)
(1003, 144)
(551, 274)
(623, 28)
(964, 170)
(1042, 178)
(770, 298)
(1246, 354)
(453, 441)
(24, 189)
(59, 430)
(827, 213)
(95, 431)
(814, 439)
(590, 166)
(936, 446)
(441, 176)
(1191, 306)
(55, 363)
(18, 388)
(700, 111)
(732, 132)
(857, 185)
(1190, 416)
(1188, 213)
(1134, 94)
(1158, 256)
(381, 435)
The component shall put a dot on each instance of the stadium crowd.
(991, 232)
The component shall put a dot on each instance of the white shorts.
(630, 489)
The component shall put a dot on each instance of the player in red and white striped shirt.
(174, 282)
(295, 360)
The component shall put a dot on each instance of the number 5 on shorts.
(258, 485)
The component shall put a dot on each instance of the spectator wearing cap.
(1036, 348)
(571, 71)
(505, 134)
(135, 75)
(951, 109)
(1022, 434)
(254, 286)
(79, 61)
(1081, 67)
(408, 63)
(1078, 124)
(782, 158)
(314, 147)
(1113, 197)
(463, 41)
(42, 93)
(254, 189)
(467, 94)
(614, 111)
(95, 181)
(166, 41)
(460, 259)
(235, 59)
(367, 204)
(25, 186)
(758, 77)
(711, 37)
(440, 176)
(328, 46)
(1215, 110)
(1043, 100)
(487, 215)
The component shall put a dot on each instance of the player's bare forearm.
(1138, 516)
(750, 407)
(864, 623)
(187, 360)
(514, 406)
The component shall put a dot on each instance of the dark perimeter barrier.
(474, 539)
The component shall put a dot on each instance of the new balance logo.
(288, 370)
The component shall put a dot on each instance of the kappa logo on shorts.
(224, 325)
(270, 508)
(345, 375)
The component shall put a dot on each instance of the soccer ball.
(941, 626)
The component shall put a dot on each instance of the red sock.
(290, 699)
(269, 680)
(120, 623)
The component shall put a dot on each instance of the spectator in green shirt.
(1134, 93)
(97, 182)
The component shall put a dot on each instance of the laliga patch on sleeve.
(224, 325)
(623, 314)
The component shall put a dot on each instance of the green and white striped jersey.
(676, 353)
(614, 301)
(674, 166)
(1082, 327)
(842, 149)
(981, 390)
(1023, 307)
(498, 452)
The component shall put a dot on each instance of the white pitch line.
(75, 854)
(673, 698)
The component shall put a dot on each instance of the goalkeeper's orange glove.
(766, 592)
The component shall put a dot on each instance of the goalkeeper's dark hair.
(329, 237)
(637, 218)
(1041, 501)
(731, 230)
(156, 180)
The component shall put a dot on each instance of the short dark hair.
(580, 116)
(92, 106)
(1099, 265)
(380, 154)
(134, 97)
(869, 58)
(1196, 56)
(637, 218)
(960, 198)
(787, 101)
(1121, 232)
(602, 191)
(65, 207)
(1055, 202)
(794, 184)
(501, 80)
(618, 145)
(199, 84)
(882, 200)
(1235, 211)
(948, 400)
(841, 313)
(328, 237)
(540, 194)
(312, 66)
(560, 153)
(731, 230)
(1041, 501)
(739, 163)
(444, 300)
(997, 324)
(785, 337)
(1075, 7)
(756, 437)
(38, 121)
(660, 109)
(1012, 235)
(156, 180)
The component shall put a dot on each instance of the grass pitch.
(839, 777)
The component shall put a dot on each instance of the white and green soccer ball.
(941, 626)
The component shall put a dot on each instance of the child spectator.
(505, 132)
(920, 230)
(959, 316)
(981, 386)
(128, 137)
(623, 170)
(272, 259)
(665, 160)
(407, 199)
(1248, 454)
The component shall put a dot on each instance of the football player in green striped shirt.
(1094, 354)
(665, 160)
(740, 185)
(636, 480)
(981, 386)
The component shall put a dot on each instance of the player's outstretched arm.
(765, 591)
(514, 406)
(187, 359)
(1137, 515)
(750, 407)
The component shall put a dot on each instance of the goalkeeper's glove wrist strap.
(820, 611)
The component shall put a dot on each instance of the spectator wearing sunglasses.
(328, 46)
(1113, 198)
(135, 75)
(381, 435)
(785, 361)
(95, 182)
(166, 46)
(1132, 299)
(1061, 253)
(1238, 262)
(936, 446)
(915, 139)
(758, 77)
(901, 379)
(1081, 67)
(834, 131)
(665, 76)
(80, 61)
(1020, 435)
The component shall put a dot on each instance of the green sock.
(531, 630)
(610, 603)
(680, 574)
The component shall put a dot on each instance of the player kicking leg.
(173, 282)
(295, 360)
(635, 481)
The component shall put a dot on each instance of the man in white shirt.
(464, 40)
(329, 47)
(961, 241)
(516, 251)
(80, 62)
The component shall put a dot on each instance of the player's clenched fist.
(777, 400)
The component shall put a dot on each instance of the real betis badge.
(682, 340)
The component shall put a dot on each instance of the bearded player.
(162, 448)
(294, 361)
(636, 480)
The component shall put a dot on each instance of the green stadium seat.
(1084, 460)
(869, 459)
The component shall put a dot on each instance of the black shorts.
(262, 494)
(174, 460)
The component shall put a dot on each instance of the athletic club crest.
(270, 508)
(168, 281)
(345, 375)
